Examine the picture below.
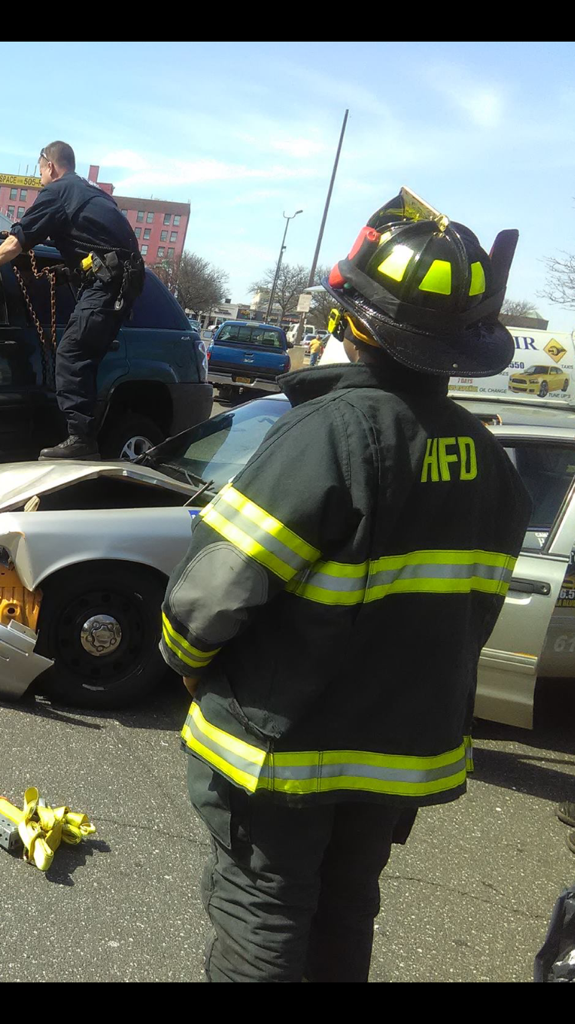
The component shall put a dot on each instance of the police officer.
(330, 612)
(86, 225)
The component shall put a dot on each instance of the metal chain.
(47, 349)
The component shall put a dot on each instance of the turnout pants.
(291, 893)
(91, 329)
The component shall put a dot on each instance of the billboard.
(543, 370)
(20, 181)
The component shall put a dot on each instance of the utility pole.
(322, 226)
(279, 263)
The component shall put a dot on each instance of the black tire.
(543, 389)
(128, 594)
(132, 427)
(565, 385)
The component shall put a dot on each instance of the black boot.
(78, 448)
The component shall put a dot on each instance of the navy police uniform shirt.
(78, 218)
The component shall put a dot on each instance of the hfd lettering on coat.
(441, 451)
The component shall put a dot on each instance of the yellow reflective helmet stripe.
(395, 264)
(477, 286)
(438, 278)
(258, 534)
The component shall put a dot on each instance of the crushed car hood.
(20, 481)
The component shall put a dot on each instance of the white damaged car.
(86, 549)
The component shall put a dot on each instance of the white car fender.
(42, 543)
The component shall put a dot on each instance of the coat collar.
(304, 385)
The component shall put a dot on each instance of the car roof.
(519, 412)
(507, 419)
(252, 323)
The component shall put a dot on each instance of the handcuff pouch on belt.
(111, 268)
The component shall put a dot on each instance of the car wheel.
(543, 389)
(101, 625)
(565, 385)
(129, 437)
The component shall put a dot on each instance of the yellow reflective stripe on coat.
(239, 761)
(416, 572)
(308, 772)
(184, 650)
(258, 534)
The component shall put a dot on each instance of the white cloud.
(484, 106)
(481, 101)
(300, 148)
(161, 173)
(126, 159)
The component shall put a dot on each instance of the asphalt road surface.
(468, 899)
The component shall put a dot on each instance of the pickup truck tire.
(130, 436)
(102, 627)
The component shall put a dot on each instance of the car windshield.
(536, 369)
(214, 451)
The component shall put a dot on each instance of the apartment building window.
(144, 250)
(177, 219)
(147, 232)
(125, 212)
(163, 236)
(23, 195)
(150, 218)
(140, 216)
(173, 236)
(13, 193)
(170, 252)
(10, 211)
(167, 217)
(137, 232)
(21, 211)
(161, 250)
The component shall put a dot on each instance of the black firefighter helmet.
(425, 290)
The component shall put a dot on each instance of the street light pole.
(279, 263)
(322, 225)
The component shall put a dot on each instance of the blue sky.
(483, 131)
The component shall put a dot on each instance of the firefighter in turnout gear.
(330, 612)
(97, 242)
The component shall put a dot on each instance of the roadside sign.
(543, 370)
(304, 303)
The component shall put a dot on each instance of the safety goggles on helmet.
(424, 289)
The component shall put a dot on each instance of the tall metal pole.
(323, 221)
(279, 263)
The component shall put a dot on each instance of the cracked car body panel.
(25, 480)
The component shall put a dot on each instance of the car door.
(509, 663)
(28, 410)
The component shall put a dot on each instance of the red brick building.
(160, 226)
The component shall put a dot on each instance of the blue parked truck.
(247, 355)
(151, 384)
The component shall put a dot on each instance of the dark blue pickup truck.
(151, 384)
(249, 355)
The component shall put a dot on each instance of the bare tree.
(519, 307)
(560, 283)
(291, 282)
(197, 284)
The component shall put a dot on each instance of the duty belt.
(111, 267)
